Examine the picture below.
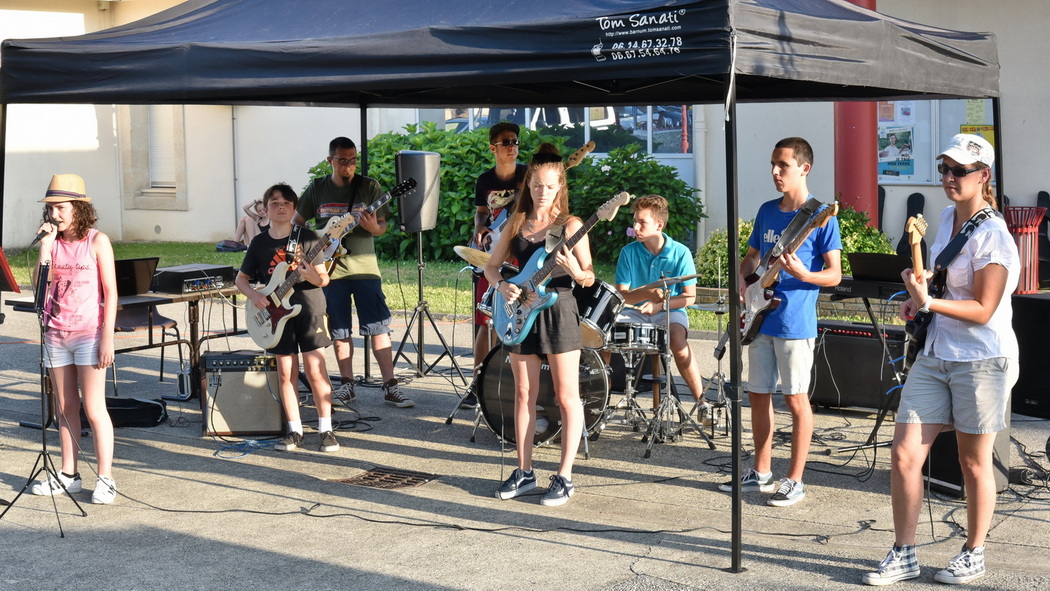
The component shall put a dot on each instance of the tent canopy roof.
(515, 52)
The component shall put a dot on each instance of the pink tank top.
(76, 292)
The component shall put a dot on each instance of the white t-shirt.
(959, 340)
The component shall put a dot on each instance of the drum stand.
(716, 383)
(664, 424)
(633, 413)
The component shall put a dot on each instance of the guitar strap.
(797, 223)
(293, 244)
(954, 247)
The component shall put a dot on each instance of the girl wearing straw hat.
(80, 309)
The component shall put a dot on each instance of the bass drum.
(496, 396)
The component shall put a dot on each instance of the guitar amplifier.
(850, 367)
(193, 278)
(240, 394)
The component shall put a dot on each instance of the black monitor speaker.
(1031, 393)
(943, 473)
(417, 210)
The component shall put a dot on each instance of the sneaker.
(519, 482)
(394, 397)
(471, 399)
(558, 493)
(703, 415)
(329, 442)
(345, 393)
(965, 567)
(289, 442)
(105, 491)
(751, 481)
(789, 493)
(51, 486)
(899, 565)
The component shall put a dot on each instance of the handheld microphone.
(40, 235)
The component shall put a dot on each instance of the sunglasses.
(957, 171)
(345, 161)
(506, 143)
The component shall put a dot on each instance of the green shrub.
(464, 156)
(629, 169)
(857, 236)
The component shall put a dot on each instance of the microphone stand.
(44, 464)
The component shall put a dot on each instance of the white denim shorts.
(772, 359)
(71, 347)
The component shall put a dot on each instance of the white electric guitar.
(266, 325)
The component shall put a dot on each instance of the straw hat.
(65, 187)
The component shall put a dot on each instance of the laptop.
(134, 276)
(877, 266)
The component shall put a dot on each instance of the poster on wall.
(896, 151)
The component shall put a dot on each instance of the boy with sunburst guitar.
(280, 249)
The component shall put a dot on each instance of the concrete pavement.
(202, 513)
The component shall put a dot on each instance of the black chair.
(148, 318)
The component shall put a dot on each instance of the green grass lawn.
(446, 287)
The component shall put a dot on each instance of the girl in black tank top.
(555, 333)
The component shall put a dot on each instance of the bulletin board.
(911, 134)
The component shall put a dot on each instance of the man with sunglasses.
(493, 198)
(355, 275)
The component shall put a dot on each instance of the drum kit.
(603, 339)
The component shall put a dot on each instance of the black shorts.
(303, 333)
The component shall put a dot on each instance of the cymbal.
(473, 256)
(666, 281)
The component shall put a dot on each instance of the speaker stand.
(423, 309)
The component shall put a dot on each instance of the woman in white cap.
(80, 309)
(963, 376)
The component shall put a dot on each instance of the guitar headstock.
(578, 155)
(916, 228)
(608, 210)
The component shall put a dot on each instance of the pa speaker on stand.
(417, 210)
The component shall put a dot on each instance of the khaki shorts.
(972, 396)
(772, 359)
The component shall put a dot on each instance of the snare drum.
(637, 336)
(496, 396)
(599, 305)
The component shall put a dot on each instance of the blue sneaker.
(519, 482)
(900, 564)
(789, 493)
(965, 567)
(751, 481)
(559, 492)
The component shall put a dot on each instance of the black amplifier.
(850, 367)
(238, 361)
(193, 278)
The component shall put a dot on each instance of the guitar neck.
(550, 263)
(777, 266)
(916, 258)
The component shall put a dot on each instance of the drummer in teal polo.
(655, 256)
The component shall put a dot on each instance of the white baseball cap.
(966, 148)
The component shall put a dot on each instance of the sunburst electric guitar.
(915, 329)
(266, 325)
(759, 298)
(513, 320)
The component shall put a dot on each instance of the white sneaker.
(105, 491)
(51, 487)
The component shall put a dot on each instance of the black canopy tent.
(513, 53)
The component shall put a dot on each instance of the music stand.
(44, 463)
(7, 281)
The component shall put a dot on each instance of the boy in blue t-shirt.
(784, 345)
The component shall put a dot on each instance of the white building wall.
(236, 152)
